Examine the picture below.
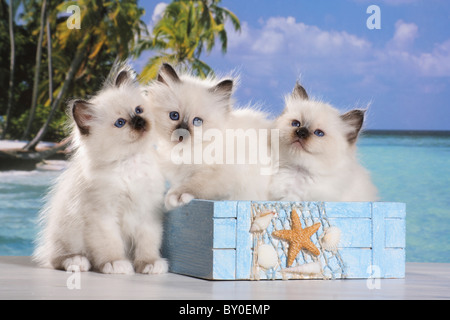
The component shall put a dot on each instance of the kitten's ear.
(121, 74)
(82, 114)
(354, 119)
(122, 77)
(300, 92)
(167, 72)
(224, 88)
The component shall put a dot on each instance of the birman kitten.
(318, 160)
(105, 211)
(193, 116)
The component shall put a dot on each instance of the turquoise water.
(21, 197)
(414, 169)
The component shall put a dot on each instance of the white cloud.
(236, 39)
(282, 43)
(158, 12)
(437, 62)
(400, 52)
(405, 34)
(280, 34)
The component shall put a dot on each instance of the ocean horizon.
(445, 133)
(407, 166)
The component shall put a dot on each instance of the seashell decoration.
(330, 239)
(262, 221)
(311, 269)
(267, 256)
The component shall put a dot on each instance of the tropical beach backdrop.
(390, 56)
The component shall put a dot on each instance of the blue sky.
(402, 70)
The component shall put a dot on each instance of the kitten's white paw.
(186, 198)
(77, 263)
(118, 266)
(158, 267)
(175, 200)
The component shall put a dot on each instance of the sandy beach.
(18, 144)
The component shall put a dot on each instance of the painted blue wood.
(357, 260)
(389, 259)
(188, 239)
(356, 232)
(348, 209)
(211, 240)
(394, 229)
(225, 209)
(224, 264)
(244, 241)
(224, 233)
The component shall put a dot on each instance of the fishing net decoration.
(327, 265)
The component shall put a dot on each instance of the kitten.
(104, 212)
(318, 153)
(193, 115)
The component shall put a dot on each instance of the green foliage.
(57, 131)
(24, 64)
(186, 29)
(111, 30)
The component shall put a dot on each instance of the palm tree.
(11, 68)
(36, 71)
(40, 135)
(184, 31)
(109, 29)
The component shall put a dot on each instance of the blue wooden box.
(213, 240)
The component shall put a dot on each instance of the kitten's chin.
(139, 136)
(299, 145)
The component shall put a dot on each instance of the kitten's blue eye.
(174, 115)
(120, 122)
(319, 133)
(295, 123)
(197, 122)
(139, 110)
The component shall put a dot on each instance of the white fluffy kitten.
(105, 210)
(318, 153)
(187, 110)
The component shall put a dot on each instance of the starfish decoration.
(298, 238)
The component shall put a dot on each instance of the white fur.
(324, 168)
(105, 210)
(192, 97)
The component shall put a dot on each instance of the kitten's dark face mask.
(138, 123)
(181, 131)
(135, 121)
(300, 135)
(132, 121)
(303, 132)
(183, 128)
(182, 124)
